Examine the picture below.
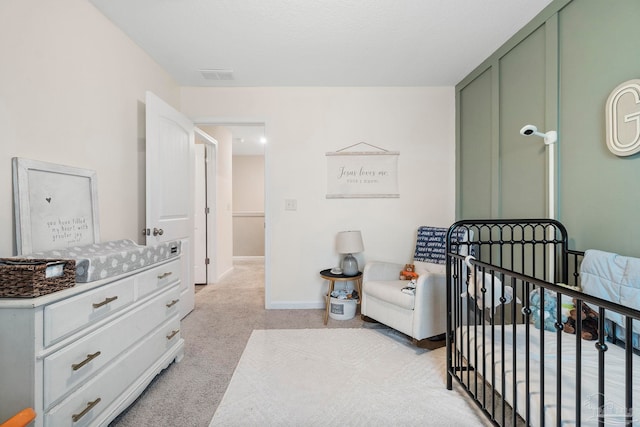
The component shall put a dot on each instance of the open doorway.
(236, 197)
(248, 192)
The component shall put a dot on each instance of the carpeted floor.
(188, 393)
(331, 377)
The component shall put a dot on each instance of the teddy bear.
(409, 272)
(588, 319)
(546, 319)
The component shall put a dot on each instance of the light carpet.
(349, 377)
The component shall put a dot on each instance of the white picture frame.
(56, 206)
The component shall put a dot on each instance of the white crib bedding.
(614, 374)
(103, 260)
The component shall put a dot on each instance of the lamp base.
(349, 265)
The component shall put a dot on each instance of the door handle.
(158, 231)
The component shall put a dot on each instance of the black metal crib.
(518, 366)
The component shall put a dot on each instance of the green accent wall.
(474, 151)
(556, 73)
(522, 159)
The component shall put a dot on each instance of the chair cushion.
(391, 292)
(429, 267)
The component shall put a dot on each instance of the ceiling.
(319, 42)
(248, 140)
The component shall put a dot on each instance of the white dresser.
(81, 356)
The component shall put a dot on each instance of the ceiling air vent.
(217, 74)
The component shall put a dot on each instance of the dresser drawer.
(67, 368)
(85, 406)
(157, 278)
(71, 314)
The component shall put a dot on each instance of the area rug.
(346, 377)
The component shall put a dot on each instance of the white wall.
(302, 124)
(72, 92)
(248, 206)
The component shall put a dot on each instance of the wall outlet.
(290, 204)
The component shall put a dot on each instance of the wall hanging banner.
(362, 174)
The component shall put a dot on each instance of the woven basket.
(27, 278)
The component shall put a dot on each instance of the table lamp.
(348, 243)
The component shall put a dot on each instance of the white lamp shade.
(349, 242)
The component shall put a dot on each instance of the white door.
(204, 227)
(169, 180)
(200, 224)
(212, 243)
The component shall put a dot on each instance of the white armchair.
(421, 315)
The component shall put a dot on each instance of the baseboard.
(221, 276)
(248, 258)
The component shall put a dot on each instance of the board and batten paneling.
(599, 195)
(502, 173)
(474, 157)
(556, 73)
(522, 102)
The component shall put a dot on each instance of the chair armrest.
(430, 289)
(430, 305)
(380, 270)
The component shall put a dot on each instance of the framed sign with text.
(362, 174)
(56, 206)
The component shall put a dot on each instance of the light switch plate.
(290, 204)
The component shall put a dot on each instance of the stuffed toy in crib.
(549, 318)
(588, 320)
(478, 280)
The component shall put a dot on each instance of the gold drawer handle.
(90, 405)
(173, 334)
(90, 357)
(172, 303)
(163, 275)
(105, 302)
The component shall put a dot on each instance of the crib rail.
(518, 373)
